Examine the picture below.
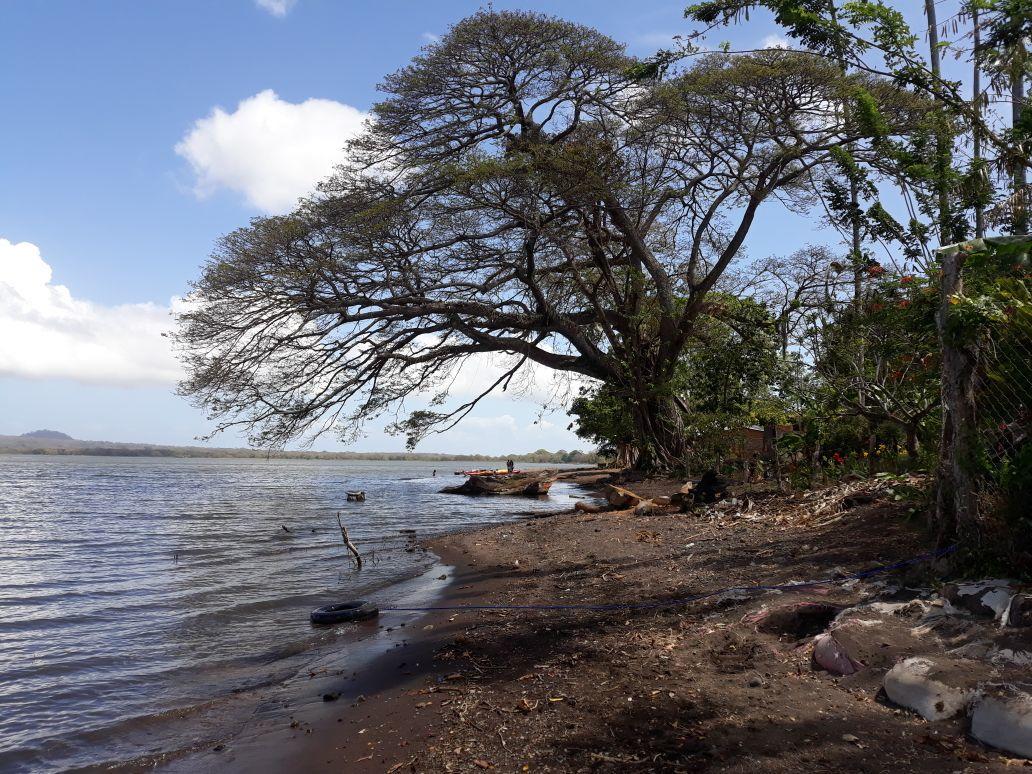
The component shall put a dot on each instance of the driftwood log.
(347, 542)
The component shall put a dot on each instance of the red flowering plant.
(881, 358)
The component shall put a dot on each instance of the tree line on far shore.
(21, 445)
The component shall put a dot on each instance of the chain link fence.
(985, 328)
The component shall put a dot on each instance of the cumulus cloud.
(269, 150)
(775, 41)
(45, 332)
(276, 7)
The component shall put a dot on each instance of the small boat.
(356, 496)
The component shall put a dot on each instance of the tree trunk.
(1020, 204)
(911, 432)
(955, 509)
(942, 143)
(770, 449)
(659, 431)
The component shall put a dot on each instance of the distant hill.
(53, 442)
(50, 435)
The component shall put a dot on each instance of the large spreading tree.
(522, 190)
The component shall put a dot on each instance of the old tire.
(345, 611)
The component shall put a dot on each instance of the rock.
(1020, 611)
(853, 738)
(662, 501)
(755, 681)
(621, 498)
(829, 654)
(935, 689)
(584, 507)
(986, 599)
(1003, 719)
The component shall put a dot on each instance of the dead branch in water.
(347, 542)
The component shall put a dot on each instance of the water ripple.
(132, 588)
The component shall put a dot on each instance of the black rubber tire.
(357, 610)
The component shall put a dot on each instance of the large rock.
(1002, 718)
(935, 688)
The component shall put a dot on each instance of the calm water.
(134, 589)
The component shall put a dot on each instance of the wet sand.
(355, 712)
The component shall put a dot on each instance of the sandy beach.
(680, 688)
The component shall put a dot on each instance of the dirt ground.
(679, 688)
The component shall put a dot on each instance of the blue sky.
(98, 97)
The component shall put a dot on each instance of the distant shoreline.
(10, 444)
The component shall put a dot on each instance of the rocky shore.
(894, 671)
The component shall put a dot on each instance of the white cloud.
(276, 7)
(45, 332)
(269, 150)
(775, 41)
(430, 37)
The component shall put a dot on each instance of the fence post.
(955, 509)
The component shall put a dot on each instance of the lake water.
(133, 590)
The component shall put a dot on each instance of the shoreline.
(395, 651)
(666, 689)
(374, 704)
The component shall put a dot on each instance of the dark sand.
(689, 688)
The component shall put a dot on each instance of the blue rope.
(687, 600)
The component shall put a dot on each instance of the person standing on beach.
(510, 465)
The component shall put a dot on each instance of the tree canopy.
(520, 190)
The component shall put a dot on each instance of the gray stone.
(1002, 718)
(936, 689)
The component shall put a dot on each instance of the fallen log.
(529, 484)
(621, 498)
